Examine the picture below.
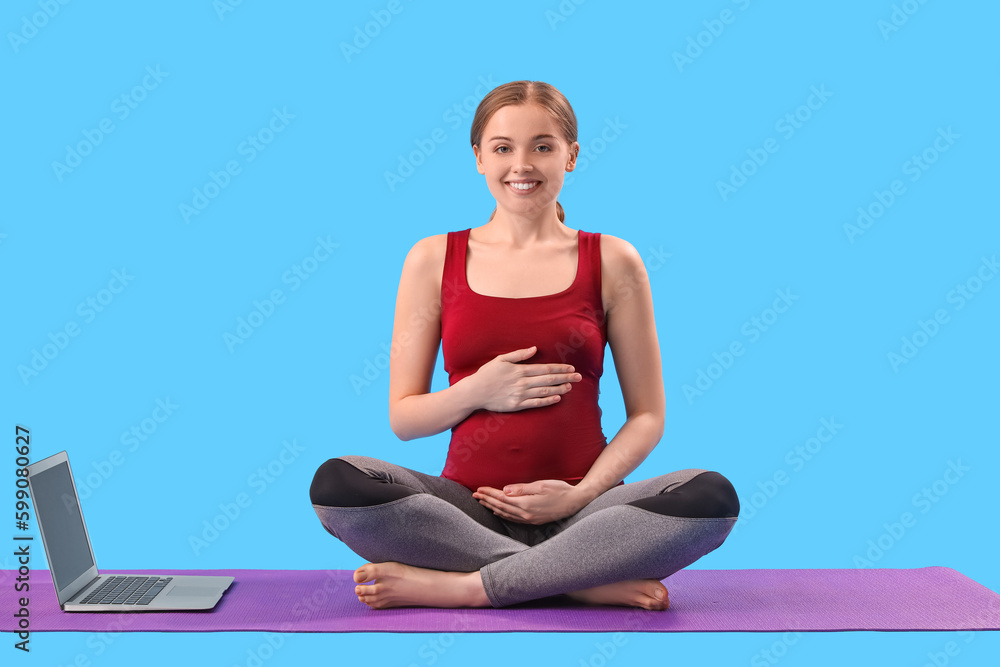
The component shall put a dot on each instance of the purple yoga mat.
(929, 598)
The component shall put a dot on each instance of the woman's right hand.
(503, 385)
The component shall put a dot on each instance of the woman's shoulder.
(426, 256)
(617, 253)
(622, 269)
(429, 247)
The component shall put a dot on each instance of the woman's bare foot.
(399, 585)
(645, 593)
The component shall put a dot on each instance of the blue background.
(715, 260)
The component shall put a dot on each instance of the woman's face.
(524, 158)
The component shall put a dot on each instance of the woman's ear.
(574, 151)
(479, 162)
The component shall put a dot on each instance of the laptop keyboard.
(127, 590)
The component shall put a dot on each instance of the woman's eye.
(506, 149)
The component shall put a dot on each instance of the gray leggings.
(643, 530)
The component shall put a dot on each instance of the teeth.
(524, 186)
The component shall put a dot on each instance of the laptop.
(79, 586)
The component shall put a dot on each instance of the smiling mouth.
(523, 186)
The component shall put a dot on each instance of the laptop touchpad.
(192, 591)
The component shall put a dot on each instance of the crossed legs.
(431, 544)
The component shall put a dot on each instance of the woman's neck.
(519, 232)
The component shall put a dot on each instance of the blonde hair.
(526, 92)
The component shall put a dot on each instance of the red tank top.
(559, 441)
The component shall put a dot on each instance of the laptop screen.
(57, 509)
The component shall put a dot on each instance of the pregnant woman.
(531, 501)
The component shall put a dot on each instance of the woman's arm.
(414, 412)
(633, 341)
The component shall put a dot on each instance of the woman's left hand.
(534, 503)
